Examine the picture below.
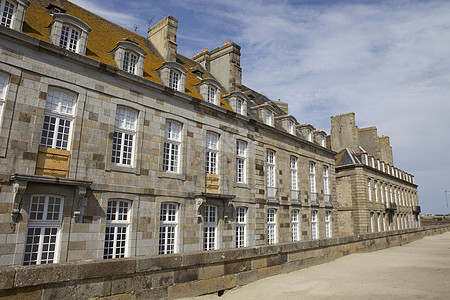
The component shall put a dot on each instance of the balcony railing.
(313, 198)
(295, 195)
(272, 192)
(327, 199)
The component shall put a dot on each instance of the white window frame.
(314, 225)
(381, 193)
(210, 227)
(7, 13)
(291, 126)
(211, 94)
(309, 135)
(241, 227)
(395, 196)
(271, 226)
(69, 38)
(172, 147)
(124, 137)
(58, 119)
(326, 183)
(369, 190)
(212, 153)
(168, 228)
(294, 178)
(328, 224)
(322, 141)
(4, 84)
(174, 79)
(268, 117)
(379, 222)
(117, 229)
(270, 178)
(67, 23)
(375, 186)
(312, 181)
(295, 225)
(390, 192)
(239, 106)
(386, 193)
(241, 161)
(43, 230)
(130, 62)
(371, 216)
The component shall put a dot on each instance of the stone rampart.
(184, 275)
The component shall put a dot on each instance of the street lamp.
(446, 192)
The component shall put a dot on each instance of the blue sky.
(387, 61)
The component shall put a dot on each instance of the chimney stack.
(164, 37)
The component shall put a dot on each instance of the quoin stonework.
(114, 145)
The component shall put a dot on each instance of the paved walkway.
(420, 269)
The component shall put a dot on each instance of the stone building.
(114, 145)
(373, 195)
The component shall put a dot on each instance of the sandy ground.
(419, 270)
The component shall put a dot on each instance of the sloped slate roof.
(256, 99)
(104, 37)
(346, 157)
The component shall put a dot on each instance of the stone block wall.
(176, 276)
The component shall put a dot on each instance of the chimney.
(224, 63)
(164, 37)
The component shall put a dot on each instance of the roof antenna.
(150, 21)
(136, 27)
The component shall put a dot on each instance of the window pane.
(7, 13)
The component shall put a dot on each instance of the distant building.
(373, 195)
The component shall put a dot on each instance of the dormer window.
(238, 102)
(129, 62)
(322, 141)
(70, 33)
(211, 94)
(291, 126)
(239, 105)
(69, 38)
(129, 57)
(287, 123)
(8, 9)
(269, 116)
(174, 79)
(210, 91)
(12, 14)
(309, 135)
(173, 75)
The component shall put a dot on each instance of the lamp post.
(446, 192)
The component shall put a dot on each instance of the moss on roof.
(103, 38)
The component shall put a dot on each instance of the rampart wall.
(178, 275)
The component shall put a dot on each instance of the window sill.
(242, 185)
(124, 169)
(171, 175)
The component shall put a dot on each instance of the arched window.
(58, 119)
(12, 13)
(129, 57)
(117, 229)
(124, 136)
(69, 33)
